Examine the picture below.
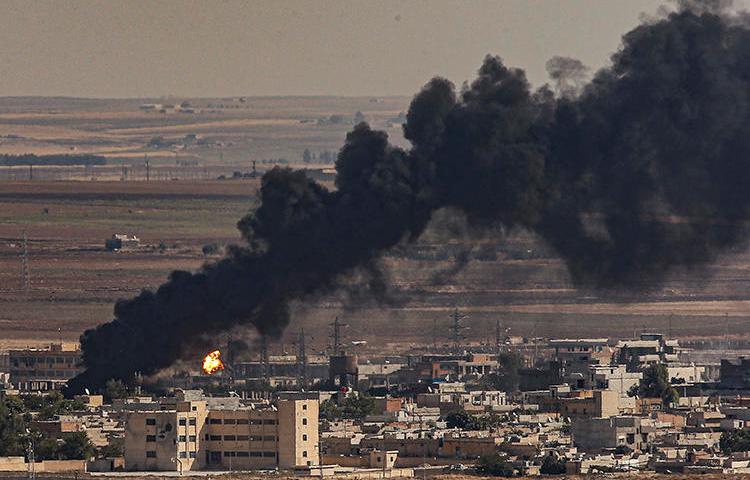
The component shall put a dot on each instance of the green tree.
(47, 449)
(507, 378)
(655, 384)
(460, 420)
(358, 407)
(330, 411)
(115, 389)
(552, 466)
(76, 446)
(12, 430)
(494, 464)
(735, 441)
(115, 448)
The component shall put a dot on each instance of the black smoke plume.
(647, 168)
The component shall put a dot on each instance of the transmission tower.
(301, 361)
(457, 329)
(336, 336)
(264, 363)
(25, 263)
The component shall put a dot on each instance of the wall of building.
(298, 431)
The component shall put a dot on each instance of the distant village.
(520, 407)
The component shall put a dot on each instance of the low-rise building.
(197, 435)
(43, 369)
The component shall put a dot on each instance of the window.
(256, 454)
(304, 406)
(242, 438)
(304, 454)
(191, 422)
(269, 422)
(304, 437)
(151, 454)
(150, 438)
(150, 421)
(183, 454)
(242, 421)
(256, 421)
(256, 438)
(304, 421)
(191, 438)
(215, 438)
(229, 438)
(243, 454)
(230, 421)
(183, 422)
(207, 437)
(269, 454)
(192, 454)
(182, 438)
(215, 421)
(269, 438)
(194, 409)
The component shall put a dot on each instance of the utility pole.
(434, 335)
(336, 336)
(669, 329)
(264, 367)
(301, 361)
(25, 264)
(457, 329)
(498, 336)
(148, 169)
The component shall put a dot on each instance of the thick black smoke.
(647, 168)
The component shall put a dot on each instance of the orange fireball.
(212, 362)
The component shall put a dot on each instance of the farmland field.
(74, 281)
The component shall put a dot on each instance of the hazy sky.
(209, 48)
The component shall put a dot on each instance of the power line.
(25, 263)
(336, 336)
(456, 328)
(301, 361)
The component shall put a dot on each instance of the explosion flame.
(212, 362)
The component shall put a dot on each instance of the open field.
(213, 135)
(75, 282)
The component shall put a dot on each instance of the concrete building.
(576, 355)
(735, 374)
(204, 434)
(593, 434)
(649, 348)
(43, 369)
(613, 377)
(579, 404)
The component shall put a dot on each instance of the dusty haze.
(190, 48)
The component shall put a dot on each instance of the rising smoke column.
(646, 169)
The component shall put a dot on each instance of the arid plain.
(67, 213)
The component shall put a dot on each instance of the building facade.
(43, 369)
(195, 435)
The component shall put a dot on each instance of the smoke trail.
(646, 169)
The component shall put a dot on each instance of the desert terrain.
(67, 213)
